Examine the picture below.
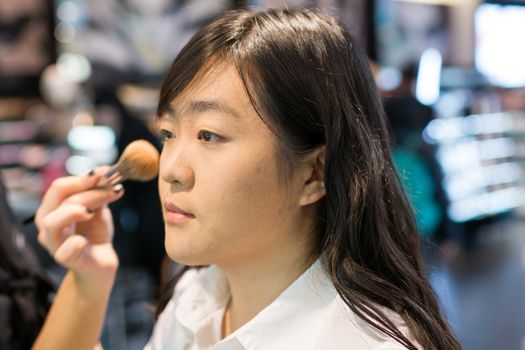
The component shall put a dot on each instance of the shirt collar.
(291, 320)
(200, 307)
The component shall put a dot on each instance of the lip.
(174, 214)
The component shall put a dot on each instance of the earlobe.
(313, 193)
(313, 188)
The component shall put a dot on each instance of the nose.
(176, 169)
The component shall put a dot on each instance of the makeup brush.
(139, 162)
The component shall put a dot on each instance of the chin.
(184, 257)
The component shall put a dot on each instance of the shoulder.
(335, 325)
(343, 329)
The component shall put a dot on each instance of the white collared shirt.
(309, 314)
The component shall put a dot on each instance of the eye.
(165, 135)
(208, 136)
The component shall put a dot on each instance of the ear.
(313, 177)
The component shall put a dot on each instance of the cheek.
(248, 197)
(163, 189)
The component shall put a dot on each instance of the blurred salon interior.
(79, 81)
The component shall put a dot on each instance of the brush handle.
(111, 178)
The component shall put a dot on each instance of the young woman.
(276, 175)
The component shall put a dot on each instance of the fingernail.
(92, 172)
(89, 210)
(117, 188)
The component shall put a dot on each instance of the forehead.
(218, 88)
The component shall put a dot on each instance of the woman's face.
(219, 167)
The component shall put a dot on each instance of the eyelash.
(205, 135)
(164, 135)
(209, 134)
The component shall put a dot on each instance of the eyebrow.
(206, 106)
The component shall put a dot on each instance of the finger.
(54, 227)
(97, 198)
(64, 187)
(69, 252)
(100, 227)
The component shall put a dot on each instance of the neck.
(257, 283)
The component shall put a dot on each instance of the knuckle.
(38, 218)
(58, 183)
(45, 223)
(41, 238)
(60, 259)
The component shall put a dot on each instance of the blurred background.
(79, 81)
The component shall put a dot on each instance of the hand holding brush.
(76, 228)
(138, 162)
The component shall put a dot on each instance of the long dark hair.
(311, 84)
(25, 288)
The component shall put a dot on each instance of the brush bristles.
(139, 161)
